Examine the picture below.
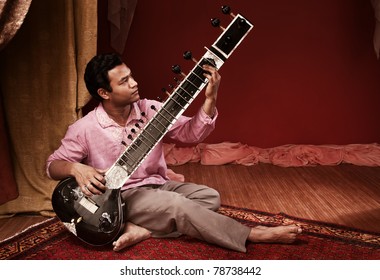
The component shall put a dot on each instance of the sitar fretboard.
(185, 92)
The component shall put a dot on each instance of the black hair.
(96, 73)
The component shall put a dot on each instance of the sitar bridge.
(89, 204)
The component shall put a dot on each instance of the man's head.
(96, 73)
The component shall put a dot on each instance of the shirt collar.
(105, 121)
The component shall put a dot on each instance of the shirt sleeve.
(193, 129)
(71, 148)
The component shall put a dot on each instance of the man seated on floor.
(155, 205)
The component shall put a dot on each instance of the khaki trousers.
(186, 208)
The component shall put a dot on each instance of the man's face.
(124, 87)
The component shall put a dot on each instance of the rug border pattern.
(51, 230)
(309, 227)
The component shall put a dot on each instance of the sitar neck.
(178, 101)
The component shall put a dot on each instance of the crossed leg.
(163, 215)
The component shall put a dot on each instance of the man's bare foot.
(279, 234)
(132, 235)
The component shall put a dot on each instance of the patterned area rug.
(319, 241)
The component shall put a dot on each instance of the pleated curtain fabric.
(41, 78)
(12, 15)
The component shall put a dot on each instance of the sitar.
(98, 220)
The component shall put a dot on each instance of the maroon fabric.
(293, 80)
(8, 186)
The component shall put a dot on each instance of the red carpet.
(319, 241)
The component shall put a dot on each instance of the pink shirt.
(96, 140)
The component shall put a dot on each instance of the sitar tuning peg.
(188, 55)
(177, 70)
(177, 81)
(159, 99)
(215, 22)
(227, 11)
(164, 90)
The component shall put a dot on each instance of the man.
(155, 206)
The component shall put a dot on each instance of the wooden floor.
(344, 194)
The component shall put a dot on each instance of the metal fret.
(159, 122)
(179, 104)
(147, 138)
(187, 100)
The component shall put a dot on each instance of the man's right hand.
(90, 179)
